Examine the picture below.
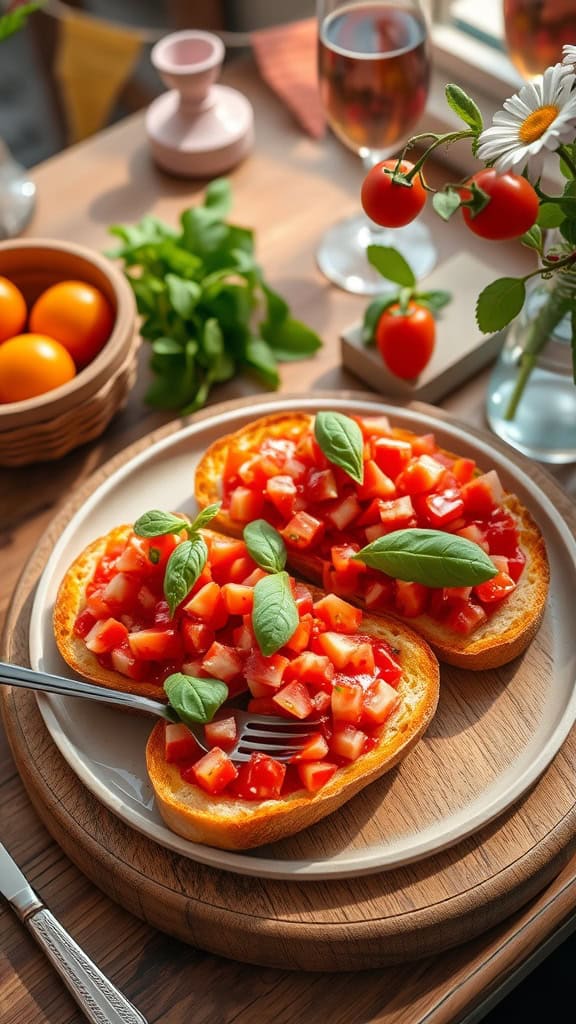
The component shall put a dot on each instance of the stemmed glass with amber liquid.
(374, 75)
(536, 31)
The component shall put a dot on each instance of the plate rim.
(251, 863)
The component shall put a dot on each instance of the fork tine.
(268, 734)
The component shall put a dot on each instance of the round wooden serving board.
(353, 923)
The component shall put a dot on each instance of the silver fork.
(266, 734)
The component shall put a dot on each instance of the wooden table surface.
(290, 189)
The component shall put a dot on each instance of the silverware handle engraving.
(100, 1001)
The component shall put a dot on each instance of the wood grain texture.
(358, 923)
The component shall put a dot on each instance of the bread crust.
(232, 824)
(503, 637)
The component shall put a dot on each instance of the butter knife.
(99, 1000)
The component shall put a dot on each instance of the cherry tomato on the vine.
(390, 203)
(406, 340)
(511, 210)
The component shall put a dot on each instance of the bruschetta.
(370, 685)
(274, 468)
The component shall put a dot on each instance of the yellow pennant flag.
(93, 61)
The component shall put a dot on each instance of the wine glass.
(374, 73)
(536, 31)
(17, 195)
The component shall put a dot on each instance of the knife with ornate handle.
(99, 1000)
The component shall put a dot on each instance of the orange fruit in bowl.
(30, 365)
(13, 311)
(77, 315)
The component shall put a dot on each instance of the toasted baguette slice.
(506, 633)
(233, 824)
(70, 601)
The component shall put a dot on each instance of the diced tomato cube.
(309, 450)
(339, 648)
(373, 426)
(97, 606)
(295, 699)
(342, 556)
(179, 743)
(256, 470)
(443, 508)
(238, 572)
(379, 594)
(347, 742)
(476, 534)
(343, 513)
(315, 774)
(266, 706)
(380, 700)
(321, 485)
(213, 772)
(398, 513)
(84, 622)
(387, 661)
(315, 670)
(245, 505)
(208, 605)
(337, 614)
(222, 662)
(254, 577)
(197, 636)
(374, 532)
(302, 531)
(221, 732)
(347, 700)
(410, 599)
(224, 550)
(264, 675)
(463, 470)
(321, 701)
(315, 748)
(238, 598)
(243, 637)
(162, 614)
(376, 483)
(261, 778)
(301, 636)
(302, 598)
(465, 616)
(282, 492)
(121, 592)
(156, 644)
(495, 589)
(482, 494)
(146, 599)
(420, 475)
(105, 635)
(502, 536)
(124, 662)
(391, 455)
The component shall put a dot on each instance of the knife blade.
(99, 999)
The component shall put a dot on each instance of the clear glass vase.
(531, 401)
(17, 195)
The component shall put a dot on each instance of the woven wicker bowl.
(51, 425)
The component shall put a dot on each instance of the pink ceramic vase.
(197, 129)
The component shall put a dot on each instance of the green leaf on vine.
(391, 264)
(464, 107)
(499, 303)
(446, 203)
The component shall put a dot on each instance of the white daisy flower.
(569, 58)
(539, 118)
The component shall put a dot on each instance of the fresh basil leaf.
(391, 264)
(290, 339)
(157, 524)
(499, 303)
(431, 557)
(218, 198)
(205, 516)
(274, 615)
(340, 438)
(265, 545)
(464, 107)
(183, 295)
(167, 347)
(446, 203)
(194, 700)
(259, 356)
(276, 307)
(183, 569)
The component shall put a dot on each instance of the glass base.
(342, 253)
(544, 426)
(17, 196)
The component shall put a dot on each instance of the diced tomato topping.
(376, 483)
(283, 493)
(295, 699)
(315, 774)
(208, 605)
(263, 674)
(238, 598)
(410, 599)
(302, 531)
(443, 508)
(464, 617)
(301, 636)
(222, 662)
(321, 485)
(344, 651)
(84, 622)
(179, 743)
(213, 772)
(343, 512)
(397, 514)
(463, 470)
(379, 594)
(197, 636)
(347, 701)
(380, 700)
(337, 614)
(482, 494)
(316, 670)
(221, 732)
(156, 644)
(245, 505)
(123, 661)
(391, 455)
(315, 748)
(347, 742)
(260, 778)
(495, 589)
(420, 475)
(105, 635)
(424, 444)
(302, 598)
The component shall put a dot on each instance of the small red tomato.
(512, 209)
(390, 203)
(406, 340)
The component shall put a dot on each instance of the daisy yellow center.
(534, 126)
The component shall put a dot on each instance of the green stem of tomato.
(439, 140)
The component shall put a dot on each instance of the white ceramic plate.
(105, 747)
